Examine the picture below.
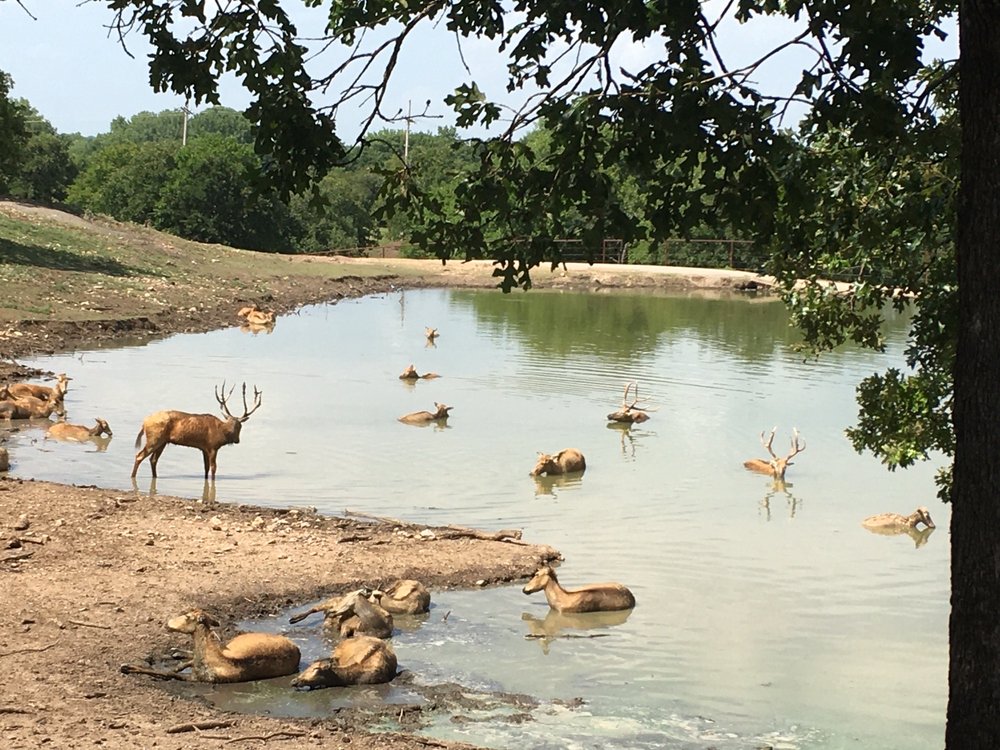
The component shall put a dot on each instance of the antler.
(633, 406)
(767, 443)
(247, 411)
(796, 448)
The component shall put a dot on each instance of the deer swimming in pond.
(897, 521)
(250, 656)
(595, 597)
(205, 432)
(775, 466)
(566, 461)
(425, 417)
(629, 413)
(79, 432)
(359, 660)
(431, 334)
(411, 374)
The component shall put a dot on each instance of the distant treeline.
(200, 180)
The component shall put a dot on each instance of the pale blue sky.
(76, 74)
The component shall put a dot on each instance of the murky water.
(764, 617)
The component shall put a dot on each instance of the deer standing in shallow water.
(775, 466)
(206, 432)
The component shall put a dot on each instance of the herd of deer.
(362, 620)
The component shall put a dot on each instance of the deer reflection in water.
(919, 536)
(547, 484)
(555, 624)
(775, 487)
(630, 436)
(207, 491)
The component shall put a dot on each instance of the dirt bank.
(88, 575)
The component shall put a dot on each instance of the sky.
(74, 72)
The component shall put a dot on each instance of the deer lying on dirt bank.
(565, 461)
(79, 432)
(404, 597)
(410, 373)
(352, 614)
(205, 432)
(897, 521)
(596, 597)
(361, 660)
(629, 413)
(423, 417)
(775, 466)
(30, 407)
(41, 392)
(250, 656)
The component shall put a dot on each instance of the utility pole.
(406, 136)
(184, 127)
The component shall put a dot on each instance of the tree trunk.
(974, 681)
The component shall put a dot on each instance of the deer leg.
(163, 674)
(154, 457)
(139, 457)
(208, 463)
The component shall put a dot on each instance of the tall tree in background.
(13, 133)
(874, 154)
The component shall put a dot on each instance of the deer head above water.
(775, 466)
(205, 432)
(629, 413)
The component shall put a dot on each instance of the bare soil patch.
(89, 575)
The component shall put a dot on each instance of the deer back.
(195, 430)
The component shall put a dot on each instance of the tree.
(45, 169)
(868, 95)
(125, 180)
(13, 132)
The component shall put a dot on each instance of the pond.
(765, 617)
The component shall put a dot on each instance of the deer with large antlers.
(629, 413)
(206, 432)
(775, 466)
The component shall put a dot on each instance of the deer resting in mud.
(206, 432)
(895, 521)
(404, 597)
(352, 614)
(361, 660)
(775, 466)
(250, 656)
(424, 417)
(566, 461)
(596, 597)
(629, 413)
(79, 432)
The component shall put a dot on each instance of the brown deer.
(897, 521)
(65, 431)
(629, 413)
(424, 417)
(30, 407)
(596, 597)
(352, 614)
(250, 656)
(404, 597)
(205, 432)
(411, 374)
(564, 462)
(431, 334)
(359, 660)
(775, 466)
(41, 392)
